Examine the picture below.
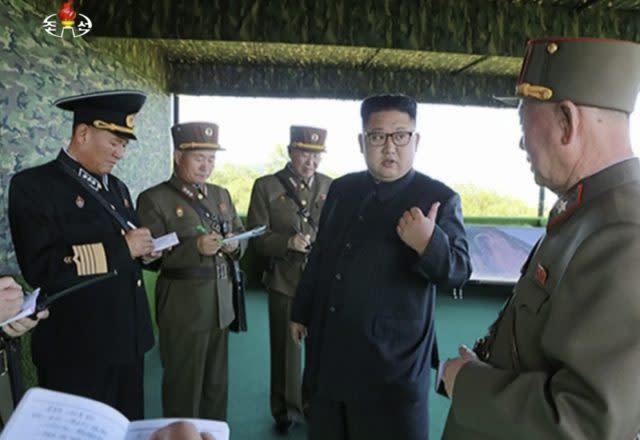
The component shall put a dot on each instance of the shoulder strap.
(204, 212)
(107, 207)
(302, 210)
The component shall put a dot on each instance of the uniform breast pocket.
(530, 306)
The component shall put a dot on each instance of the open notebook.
(51, 415)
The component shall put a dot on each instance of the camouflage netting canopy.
(460, 52)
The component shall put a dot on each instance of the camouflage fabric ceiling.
(460, 51)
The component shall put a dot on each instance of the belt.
(190, 273)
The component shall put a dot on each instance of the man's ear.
(570, 119)
(417, 135)
(81, 133)
(361, 142)
(177, 156)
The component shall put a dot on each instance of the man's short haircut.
(379, 103)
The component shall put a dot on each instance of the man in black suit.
(70, 219)
(387, 237)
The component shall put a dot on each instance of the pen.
(202, 229)
(131, 225)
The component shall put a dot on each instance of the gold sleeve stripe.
(90, 259)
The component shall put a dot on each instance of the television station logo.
(67, 21)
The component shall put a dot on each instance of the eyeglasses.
(379, 138)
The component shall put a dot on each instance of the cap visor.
(509, 101)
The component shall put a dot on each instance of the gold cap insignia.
(79, 202)
(315, 137)
(208, 131)
(129, 120)
(179, 211)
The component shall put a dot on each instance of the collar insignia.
(91, 181)
(189, 193)
(564, 207)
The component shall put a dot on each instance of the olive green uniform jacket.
(192, 311)
(271, 206)
(163, 210)
(564, 360)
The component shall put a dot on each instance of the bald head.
(566, 142)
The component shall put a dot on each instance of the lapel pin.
(541, 274)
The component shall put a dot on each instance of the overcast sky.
(458, 144)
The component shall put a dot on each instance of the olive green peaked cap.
(587, 71)
(195, 136)
(307, 138)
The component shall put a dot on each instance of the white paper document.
(255, 232)
(28, 307)
(45, 414)
(165, 242)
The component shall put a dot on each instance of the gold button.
(200, 196)
(113, 207)
(552, 48)
(122, 232)
(304, 219)
(139, 283)
(220, 254)
(304, 202)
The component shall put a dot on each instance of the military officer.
(194, 289)
(289, 203)
(561, 360)
(70, 219)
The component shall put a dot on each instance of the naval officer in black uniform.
(71, 219)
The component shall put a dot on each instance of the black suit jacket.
(367, 298)
(109, 322)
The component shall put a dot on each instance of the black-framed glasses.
(379, 138)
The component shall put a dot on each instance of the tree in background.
(238, 179)
(481, 202)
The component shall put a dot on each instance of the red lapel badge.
(222, 206)
(541, 274)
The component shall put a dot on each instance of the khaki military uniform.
(271, 206)
(562, 360)
(193, 298)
